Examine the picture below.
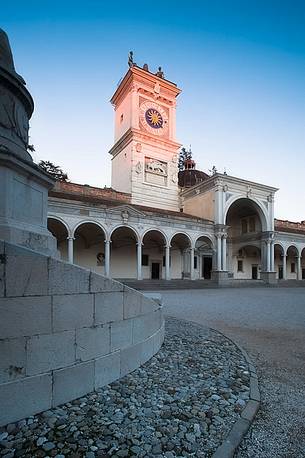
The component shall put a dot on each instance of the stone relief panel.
(155, 171)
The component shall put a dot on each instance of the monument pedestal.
(24, 203)
(23, 185)
(221, 277)
(269, 278)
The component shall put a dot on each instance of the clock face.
(153, 118)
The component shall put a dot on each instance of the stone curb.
(241, 426)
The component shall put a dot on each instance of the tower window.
(122, 117)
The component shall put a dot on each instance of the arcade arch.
(89, 246)
(246, 251)
(60, 231)
(123, 253)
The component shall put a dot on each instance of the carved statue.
(6, 56)
(156, 167)
(130, 59)
(160, 73)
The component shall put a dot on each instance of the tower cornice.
(136, 77)
(138, 136)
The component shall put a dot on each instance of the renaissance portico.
(150, 226)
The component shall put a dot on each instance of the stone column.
(299, 271)
(224, 252)
(139, 260)
(167, 259)
(284, 267)
(70, 249)
(272, 256)
(268, 255)
(107, 258)
(219, 251)
(192, 263)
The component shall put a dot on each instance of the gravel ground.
(269, 323)
(181, 403)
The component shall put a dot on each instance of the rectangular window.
(144, 259)
(239, 266)
(244, 226)
(195, 262)
(293, 267)
(252, 224)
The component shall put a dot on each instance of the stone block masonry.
(65, 331)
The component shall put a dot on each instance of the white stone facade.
(148, 228)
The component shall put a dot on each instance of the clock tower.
(145, 151)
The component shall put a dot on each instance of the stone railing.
(66, 331)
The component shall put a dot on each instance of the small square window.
(144, 259)
(239, 266)
(293, 267)
(121, 117)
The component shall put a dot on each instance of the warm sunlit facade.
(146, 226)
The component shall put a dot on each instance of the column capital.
(70, 237)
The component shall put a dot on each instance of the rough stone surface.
(181, 403)
(269, 324)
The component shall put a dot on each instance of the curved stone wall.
(66, 331)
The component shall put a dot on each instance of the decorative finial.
(145, 67)
(160, 73)
(130, 59)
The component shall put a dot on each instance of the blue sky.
(240, 64)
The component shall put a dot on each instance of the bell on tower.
(145, 151)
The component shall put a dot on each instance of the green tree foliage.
(54, 170)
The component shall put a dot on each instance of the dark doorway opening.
(254, 272)
(206, 267)
(281, 275)
(155, 270)
(303, 274)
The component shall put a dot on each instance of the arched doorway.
(89, 247)
(123, 253)
(180, 256)
(153, 255)
(203, 258)
(60, 232)
(246, 222)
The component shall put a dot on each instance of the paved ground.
(270, 325)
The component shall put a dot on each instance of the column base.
(269, 277)
(221, 277)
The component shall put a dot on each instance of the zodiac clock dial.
(153, 118)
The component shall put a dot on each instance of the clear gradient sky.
(240, 64)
